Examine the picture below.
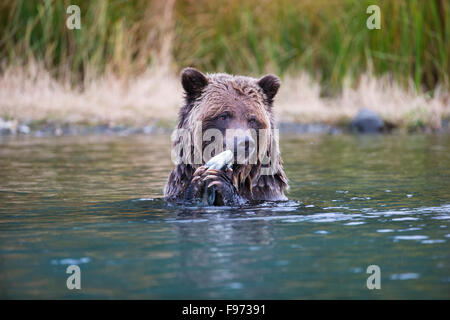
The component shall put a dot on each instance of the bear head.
(236, 108)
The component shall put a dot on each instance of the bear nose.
(244, 144)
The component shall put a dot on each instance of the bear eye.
(252, 120)
(224, 116)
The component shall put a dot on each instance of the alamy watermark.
(249, 146)
(374, 280)
(74, 280)
(74, 20)
(374, 20)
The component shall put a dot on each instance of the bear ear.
(193, 82)
(270, 85)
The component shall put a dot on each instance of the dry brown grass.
(31, 94)
(299, 100)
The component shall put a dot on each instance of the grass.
(122, 65)
(33, 95)
(328, 39)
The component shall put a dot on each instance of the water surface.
(355, 201)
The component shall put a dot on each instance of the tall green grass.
(329, 39)
(117, 36)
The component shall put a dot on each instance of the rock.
(148, 129)
(367, 121)
(24, 129)
(8, 127)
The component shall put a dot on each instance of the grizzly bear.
(221, 103)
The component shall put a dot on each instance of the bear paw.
(204, 178)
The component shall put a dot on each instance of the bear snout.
(243, 148)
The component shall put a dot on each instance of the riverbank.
(33, 102)
(15, 128)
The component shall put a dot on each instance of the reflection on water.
(96, 202)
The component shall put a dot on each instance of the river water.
(355, 201)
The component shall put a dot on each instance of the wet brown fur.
(234, 94)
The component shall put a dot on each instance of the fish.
(218, 162)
